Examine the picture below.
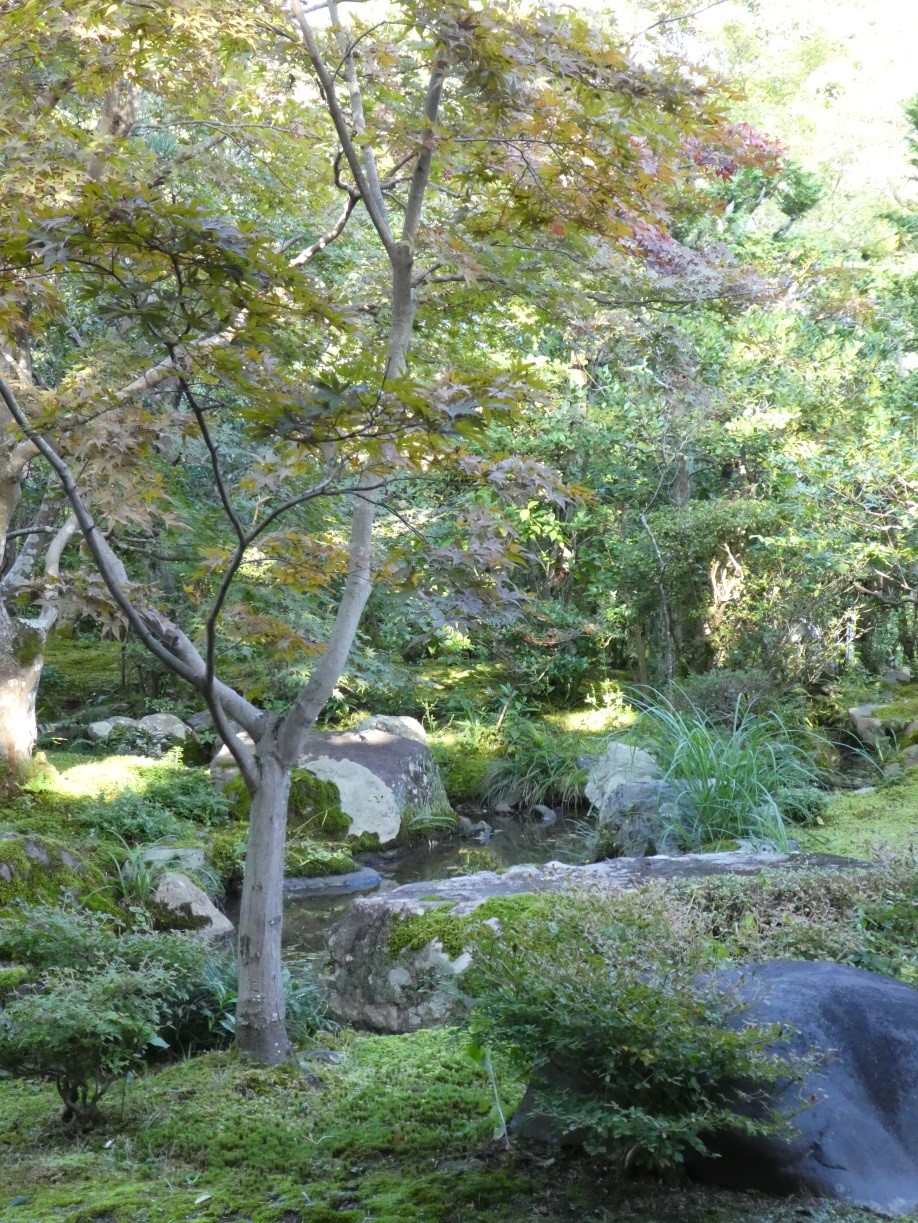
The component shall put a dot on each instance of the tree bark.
(261, 1031)
(20, 671)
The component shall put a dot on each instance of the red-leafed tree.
(177, 269)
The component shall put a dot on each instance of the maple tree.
(303, 254)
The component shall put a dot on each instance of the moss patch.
(37, 869)
(398, 1131)
(857, 825)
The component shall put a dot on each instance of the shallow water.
(513, 843)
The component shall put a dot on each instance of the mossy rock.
(314, 804)
(38, 869)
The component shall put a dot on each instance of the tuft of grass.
(539, 765)
(737, 781)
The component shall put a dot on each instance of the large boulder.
(856, 1140)
(632, 802)
(419, 985)
(387, 784)
(180, 904)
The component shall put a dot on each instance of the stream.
(514, 842)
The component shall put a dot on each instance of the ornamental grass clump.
(742, 780)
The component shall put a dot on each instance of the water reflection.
(513, 843)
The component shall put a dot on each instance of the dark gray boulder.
(855, 1115)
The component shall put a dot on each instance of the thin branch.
(372, 200)
(327, 238)
(214, 459)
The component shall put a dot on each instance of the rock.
(364, 880)
(479, 831)
(546, 815)
(857, 1142)
(202, 720)
(386, 782)
(181, 857)
(32, 862)
(223, 767)
(620, 764)
(368, 987)
(896, 675)
(406, 728)
(99, 731)
(632, 817)
(867, 728)
(910, 756)
(163, 726)
(183, 903)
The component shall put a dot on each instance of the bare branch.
(369, 189)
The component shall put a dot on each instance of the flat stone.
(363, 880)
(362, 990)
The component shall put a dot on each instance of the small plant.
(737, 781)
(134, 818)
(539, 765)
(134, 879)
(83, 1034)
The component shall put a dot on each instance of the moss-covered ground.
(859, 824)
(399, 1129)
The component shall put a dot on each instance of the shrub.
(741, 780)
(134, 818)
(187, 793)
(605, 1008)
(717, 694)
(539, 765)
(83, 1033)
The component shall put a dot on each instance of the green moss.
(314, 804)
(33, 869)
(463, 763)
(311, 859)
(398, 1131)
(12, 977)
(903, 709)
(456, 932)
(858, 824)
(78, 672)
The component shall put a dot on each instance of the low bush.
(99, 1001)
(134, 818)
(604, 1008)
(84, 1033)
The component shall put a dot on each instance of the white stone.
(620, 764)
(401, 727)
(175, 890)
(98, 732)
(164, 725)
(370, 804)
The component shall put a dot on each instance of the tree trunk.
(20, 670)
(260, 1028)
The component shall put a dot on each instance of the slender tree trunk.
(20, 671)
(260, 1027)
